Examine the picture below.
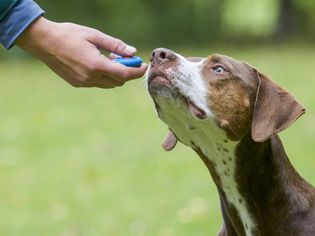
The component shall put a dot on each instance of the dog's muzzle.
(161, 55)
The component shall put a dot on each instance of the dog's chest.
(214, 144)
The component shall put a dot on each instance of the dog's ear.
(275, 109)
(170, 141)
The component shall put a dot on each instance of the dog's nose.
(160, 55)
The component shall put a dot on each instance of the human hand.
(72, 52)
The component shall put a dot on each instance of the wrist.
(34, 37)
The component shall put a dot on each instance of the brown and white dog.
(230, 114)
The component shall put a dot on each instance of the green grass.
(89, 162)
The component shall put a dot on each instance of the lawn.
(89, 161)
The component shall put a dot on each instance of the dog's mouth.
(198, 112)
(159, 81)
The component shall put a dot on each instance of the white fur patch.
(187, 78)
(203, 133)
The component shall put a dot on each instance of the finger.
(72, 78)
(110, 82)
(124, 73)
(113, 56)
(112, 44)
(117, 71)
(106, 82)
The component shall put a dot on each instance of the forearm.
(17, 19)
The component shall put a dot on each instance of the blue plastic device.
(129, 61)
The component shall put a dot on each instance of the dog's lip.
(155, 75)
(192, 107)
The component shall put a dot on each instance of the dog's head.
(220, 89)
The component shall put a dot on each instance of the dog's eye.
(218, 70)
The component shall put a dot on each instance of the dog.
(230, 114)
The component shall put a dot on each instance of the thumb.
(113, 45)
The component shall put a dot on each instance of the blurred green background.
(88, 161)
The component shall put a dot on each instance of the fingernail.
(131, 49)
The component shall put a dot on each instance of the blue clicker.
(129, 61)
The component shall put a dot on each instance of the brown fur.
(252, 109)
(230, 98)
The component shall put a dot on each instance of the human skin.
(72, 52)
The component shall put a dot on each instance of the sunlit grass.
(89, 162)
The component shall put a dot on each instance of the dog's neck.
(273, 190)
(270, 189)
(252, 178)
(218, 151)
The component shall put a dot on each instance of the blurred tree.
(287, 19)
(295, 19)
(305, 19)
(246, 18)
(189, 22)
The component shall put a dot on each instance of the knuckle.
(95, 67)
(124, 75)
(83, 81)
(92, 67)
(118, 45)
(93, 33)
